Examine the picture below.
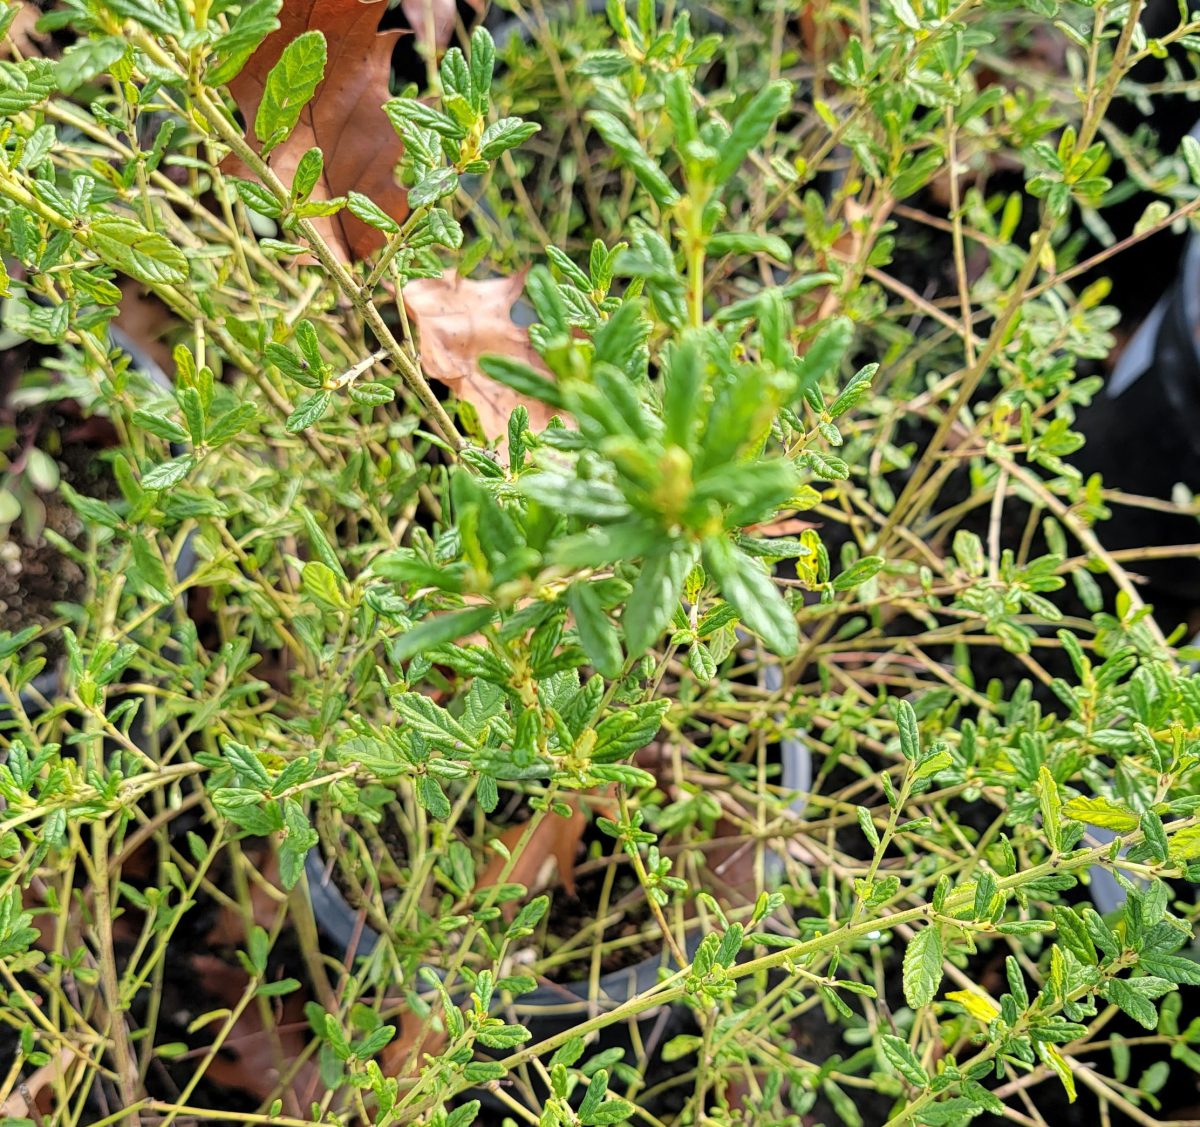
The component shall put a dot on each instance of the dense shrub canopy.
(587, 597)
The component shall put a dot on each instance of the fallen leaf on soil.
(35, 899)
(819, 34)
(230, 927)
(555, 839)
(434, 17)
(97, 432)
(788, 526)
(730, 865)
(414, 1038)
(252, 1055)
(146, 320)
(847, 248)
(344, 117)
(31, 1100)
(24, 34)
(460, 320)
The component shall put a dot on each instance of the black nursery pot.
(552, 1007)
(549, 1009)
(1143, 435)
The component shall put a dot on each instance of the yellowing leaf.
(1185, 844)
(1051, 804)
(322, 586)
(979, 1006)
(923, 967)
(1101, 811)
(1061, 1068)
(938, 761)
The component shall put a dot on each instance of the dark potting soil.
(631, 938)
(200, 974)
(388, 845)
(34, 575)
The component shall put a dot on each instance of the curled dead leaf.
(550, 855)
(146, 321)
(458, 321)
(31, 1099)
(24, 33)
(229, 929)
(550, 850)
(254, 1058)
(433, 21)
(730, 865)
(414, 1038)
(344, 118)
(787, 526)
(847, 248)
(821, 32)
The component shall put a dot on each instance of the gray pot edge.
(338, 922)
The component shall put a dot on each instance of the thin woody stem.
(215, 116)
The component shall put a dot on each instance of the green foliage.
(289, 88)
(773, 519)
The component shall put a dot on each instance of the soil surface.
(631, 939)
(34, 575)
(388, 845)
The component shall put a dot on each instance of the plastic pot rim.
(338, 922)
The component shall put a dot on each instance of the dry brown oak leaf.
(255, 1057)
(552, 848)
(436, 18)
(458, 321)
(32, 1098)
(344, 118)
(550, 854)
